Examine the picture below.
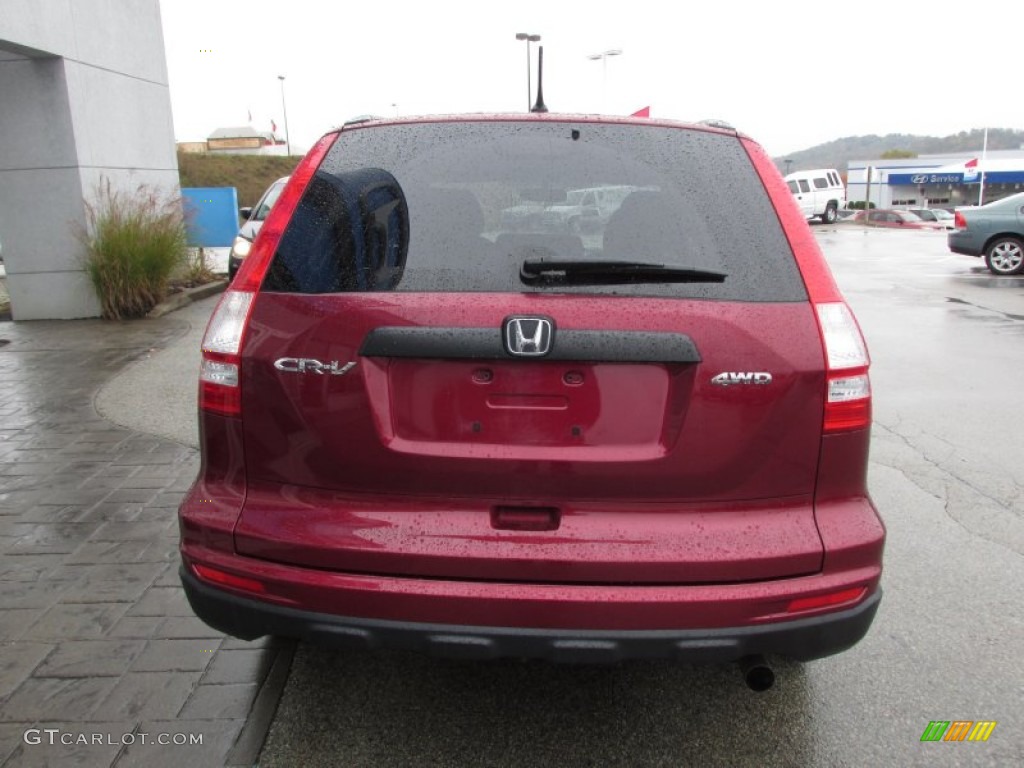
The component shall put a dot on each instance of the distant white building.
(244, 140)
(941, 181)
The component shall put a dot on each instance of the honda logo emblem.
(529, 336)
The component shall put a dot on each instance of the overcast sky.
(790, 73)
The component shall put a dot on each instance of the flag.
(645, 112)
(273, 126)
(971, 170)
(250, 115)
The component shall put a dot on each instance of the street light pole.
(287, 136)
(529, 39)
(604, 72)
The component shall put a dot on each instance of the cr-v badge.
(307, 365)
(728, 378)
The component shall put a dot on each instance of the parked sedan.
(939, 215)
(253, 221)
(881, 217)
(995, 231)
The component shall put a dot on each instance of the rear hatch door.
(418, 403)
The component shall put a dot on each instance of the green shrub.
(857, 205)
(134, 243)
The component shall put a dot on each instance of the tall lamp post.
(287, 136)
(603, 56)
(529, 39)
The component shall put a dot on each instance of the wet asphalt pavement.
(947, 341)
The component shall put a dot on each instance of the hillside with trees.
(837, 154)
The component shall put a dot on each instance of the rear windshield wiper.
(596, 272)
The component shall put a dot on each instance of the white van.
(819, 193)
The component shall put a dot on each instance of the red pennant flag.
(645, 112)
(273, 126)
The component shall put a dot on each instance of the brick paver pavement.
(102, 656)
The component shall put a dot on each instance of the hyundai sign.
(926, 178)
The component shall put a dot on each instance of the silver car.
(253, 221)
(940, 216)
(995, 231)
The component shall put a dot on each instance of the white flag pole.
(981, 189)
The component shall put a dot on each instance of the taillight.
(848, 397)
(848, 394)
(959, 221)
(219, 390)
(220, 373)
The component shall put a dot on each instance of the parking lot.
(947, 341)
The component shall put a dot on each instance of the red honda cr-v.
(441, 409)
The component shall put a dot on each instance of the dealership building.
(940, 181)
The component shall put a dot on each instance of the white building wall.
(83, 84)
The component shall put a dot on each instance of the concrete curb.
(249, 744)
(186, 297)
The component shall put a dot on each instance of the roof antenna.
(540, 106)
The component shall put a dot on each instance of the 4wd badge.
(728, 378)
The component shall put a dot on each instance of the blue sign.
(1004, 177)
(926, 178)
(211, 216)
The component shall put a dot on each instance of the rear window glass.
(460, 206)
(821, 183)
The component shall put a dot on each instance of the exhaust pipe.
(756, 673)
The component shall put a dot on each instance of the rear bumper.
(802, 639)
(963, 243)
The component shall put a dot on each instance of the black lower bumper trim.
(800, 639)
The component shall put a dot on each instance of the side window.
(792, 187)
(264, 206)
(804, 186)
(821, 183)
(351, 233)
